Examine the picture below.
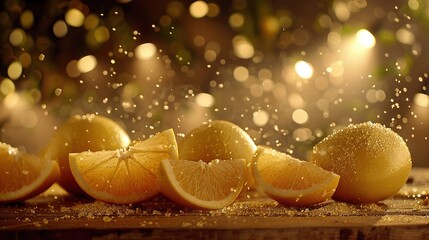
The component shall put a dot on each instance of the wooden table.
(56, 215)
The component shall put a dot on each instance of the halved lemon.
(218, 140)
(124, 176)
(291, 181)
(197, 184)
(23, 176)
(80, 133)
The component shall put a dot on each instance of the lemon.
(373, 162)
(218, 140)
(82, 133)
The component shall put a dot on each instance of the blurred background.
(288, 72)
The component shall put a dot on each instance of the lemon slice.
(124, 176)
(23, 176)
(197, 184)
(291, 181)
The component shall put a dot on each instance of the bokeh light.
(236, 20)
(7, 87)
(204, 100)
(243, 48)
(14, 70)
(198, 9)
(27, 19)
(241, 73)
(60, 29)
(86, 64)
(304, 69)
(145, 51)
(365, 38)
(17, 37)
(261, 118)
(74, 17)
(300, 116)
(421, 100)
(405, 36)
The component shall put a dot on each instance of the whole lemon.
(373, 162)
(218, 139)
(82, 133)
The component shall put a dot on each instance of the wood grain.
(55, 214)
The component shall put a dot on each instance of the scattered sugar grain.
(107, 219)
(200, 224)
(37, 224)
(186, 224)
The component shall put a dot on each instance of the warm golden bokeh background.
(289, 73)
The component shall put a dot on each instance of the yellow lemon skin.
(82, 133)
(217, 140)
(373, 162)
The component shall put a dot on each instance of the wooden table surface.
(55, 215)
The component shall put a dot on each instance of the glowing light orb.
(74, 17)
(304, 69)
(86, 64)
(204, 100)
(14, 70)
(236, 20)
(405, 36)
(27, 19)
(421, 99)
(365, 38)
(198, 9)
(300, 116)
(17, 37)
(101, 34)
(260, 118)
(7, 86)
(11, 100)
(60, 29)
(243, 48)
(145, 51)
(241, 73)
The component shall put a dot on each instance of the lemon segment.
(201, 185)
(218, 140)
(23, 176)
(291, 181)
